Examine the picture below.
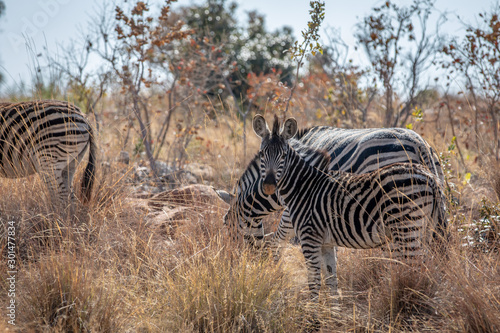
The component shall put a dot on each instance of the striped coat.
(352, 150)
(49, 138)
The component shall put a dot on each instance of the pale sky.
(49, 23)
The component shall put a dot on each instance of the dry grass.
(106, 268)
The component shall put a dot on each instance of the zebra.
(358, 151)
(50, 138)
(397, 205)
(352, 150)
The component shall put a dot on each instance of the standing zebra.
(398, 205)
(358, 151)
(50, 138)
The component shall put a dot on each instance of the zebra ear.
(225, 196)
(259, 126)
(289, 128)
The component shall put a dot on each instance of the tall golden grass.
(106, 268)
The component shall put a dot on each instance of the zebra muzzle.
(269, 185)
(269, 189)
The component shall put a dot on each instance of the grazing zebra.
(50, 138)
(398, 205)
(358, 151)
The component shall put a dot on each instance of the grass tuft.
(61, 293)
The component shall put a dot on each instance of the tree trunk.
(144, 137)
(388, 107)
(496, 144)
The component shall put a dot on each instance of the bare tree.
(396, 40)
(86, 86)
(193, 70)
(350, 91)
(477, 58)
(129, 50)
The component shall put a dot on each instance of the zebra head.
(273, 149)
(236, 217)
(228, 198)
(242, 223)
(232, 215)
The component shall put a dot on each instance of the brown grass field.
(107, 267)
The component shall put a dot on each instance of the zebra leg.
(283, 234)
(312, 253)
(67, 172)
(51, 181)
(329, 268)
(56, 174)
(66, 180)
(407, 241)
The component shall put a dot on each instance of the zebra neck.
(297, 178)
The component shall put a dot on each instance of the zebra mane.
(301, 132)
(318, 158)
(276, 126)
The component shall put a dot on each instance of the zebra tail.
(439, 211)
(89, 175)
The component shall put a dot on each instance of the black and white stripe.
(399, 205)
(352, 150)
(49, 138)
